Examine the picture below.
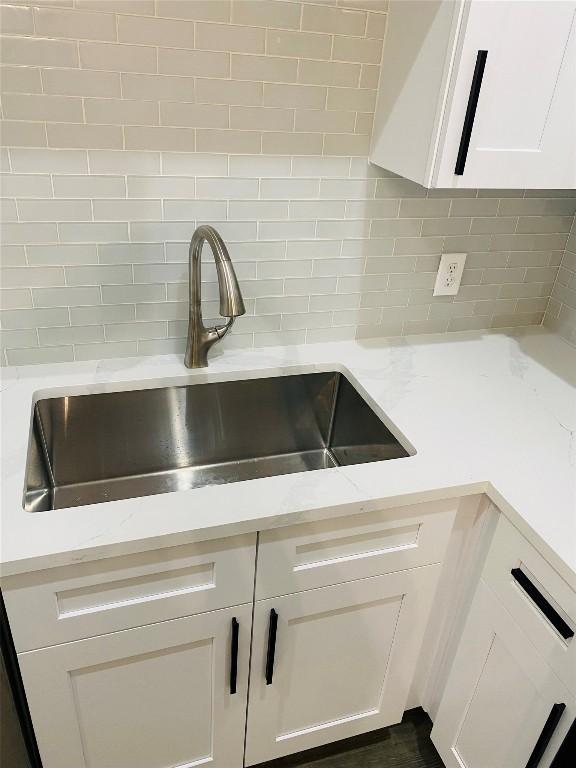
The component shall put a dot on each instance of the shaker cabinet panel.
(326, 552)
(103, 596)
(523, 129)
(485, 94)
(334, 662)
(151, 697)
(503, 707)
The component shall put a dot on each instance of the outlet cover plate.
(449, 274)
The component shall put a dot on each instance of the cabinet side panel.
(418, 47)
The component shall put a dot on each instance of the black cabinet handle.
(272, 627)
(470, 112)
(565, 755)
(234, 655)
(547, 733)
(540, 601)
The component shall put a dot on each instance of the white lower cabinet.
(503, 705)
(150, 697)
(334, 662)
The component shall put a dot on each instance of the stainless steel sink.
(86, 449)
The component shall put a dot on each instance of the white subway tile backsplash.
(130, 122)
(131, 294)
(80, 82)
(342, 21)
(286, 95)
(55, 210)
(96, 315)
(264, 118)
(160, 187)
(127, 210)
(40, 355)
(195, 210)
(15, 20)
(28, 106)
(135, 331)
(291, 143)
(79, 334)
(228, 189)
(194, 115)
(117, 58)
(102, 162)
(20, 233)
(214, 91)
(18, 133)
(20, 80)
(16, 298)
(14, 319)
(213, 140)
(58, 297)
(223, 37)
(267, 13)
(89, 186)
(61, 254)
(35, 161)
(309, 45)
(289, 189)
(119, 112)
(365, 50)
(57, 22)
(81, 135)
(27, 277)
(92, 232)
(106, 350)
(155, 31)
(130, 253)
(38, 51)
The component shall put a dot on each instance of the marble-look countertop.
(486, 413)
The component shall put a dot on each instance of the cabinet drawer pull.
(470, 112)
(547, 732)
(540, 601)
(272, 627)
(234, 655)
(565, 755)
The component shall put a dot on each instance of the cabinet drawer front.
(79, 601)
(327, 552)
(538, 598)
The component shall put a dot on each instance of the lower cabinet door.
(503, 707)
(152, 697)
(334, 662)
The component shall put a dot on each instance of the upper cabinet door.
(150, 697)
(479, 93)
(523, 133)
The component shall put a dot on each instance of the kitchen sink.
(87, 449)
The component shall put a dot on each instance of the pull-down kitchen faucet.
(200, 338)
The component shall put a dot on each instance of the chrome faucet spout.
(200, 338)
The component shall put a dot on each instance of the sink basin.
(86, 449)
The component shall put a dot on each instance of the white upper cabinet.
(479, 94)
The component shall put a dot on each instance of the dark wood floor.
(406, 745)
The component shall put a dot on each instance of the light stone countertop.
(491, 412)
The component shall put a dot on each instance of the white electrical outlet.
(449, 274)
